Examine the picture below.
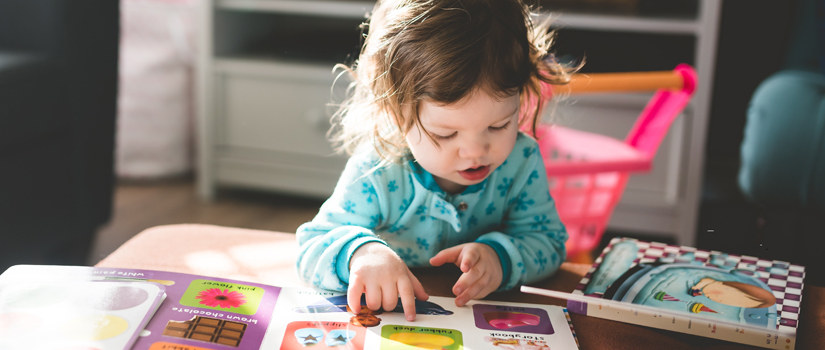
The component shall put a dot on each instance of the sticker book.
(45, 307)
(707, 293)
(112, 308)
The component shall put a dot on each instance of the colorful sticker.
(515, 343)
(173, 346)
(207, 329)
(323, 335)
(338, 303)
(512, 319)
(397, 337)
(223, 296)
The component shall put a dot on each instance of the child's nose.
(474, 148)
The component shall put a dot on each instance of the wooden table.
(269, 257)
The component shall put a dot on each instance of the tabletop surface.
(269, 257)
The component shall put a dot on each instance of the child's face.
(474, 135)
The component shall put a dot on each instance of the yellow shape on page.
(95, 327)
(421, 340)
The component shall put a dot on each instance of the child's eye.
(445, 137)
(500, 127)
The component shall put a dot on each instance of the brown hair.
(442, 50)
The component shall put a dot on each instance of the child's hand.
(480, 266)
(378, 273)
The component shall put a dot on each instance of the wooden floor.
(139, 205)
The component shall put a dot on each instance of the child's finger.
(468, 259)
(466, 280)
(372, 294)
(449, 255)
(472, 291)
(465, 297)
(354, 292)
(389, 296)
(405, 291)
(418, 288)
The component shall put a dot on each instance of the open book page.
(320, 319)
(58, 307)
(201, 312)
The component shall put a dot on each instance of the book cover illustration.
(757, 301)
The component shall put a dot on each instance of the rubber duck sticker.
(398, 337)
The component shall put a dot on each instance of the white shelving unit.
(263, 108)
(346, 9)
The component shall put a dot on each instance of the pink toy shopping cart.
(588, 172)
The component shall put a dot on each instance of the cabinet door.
(284, 112)
(271, 127)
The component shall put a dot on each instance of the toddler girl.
(439, 171)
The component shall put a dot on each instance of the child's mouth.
(475, 174)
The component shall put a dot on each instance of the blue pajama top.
(401, 205)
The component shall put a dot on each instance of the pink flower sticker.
(215, 297)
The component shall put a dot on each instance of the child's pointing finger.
(468, 259)
(450, 255)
